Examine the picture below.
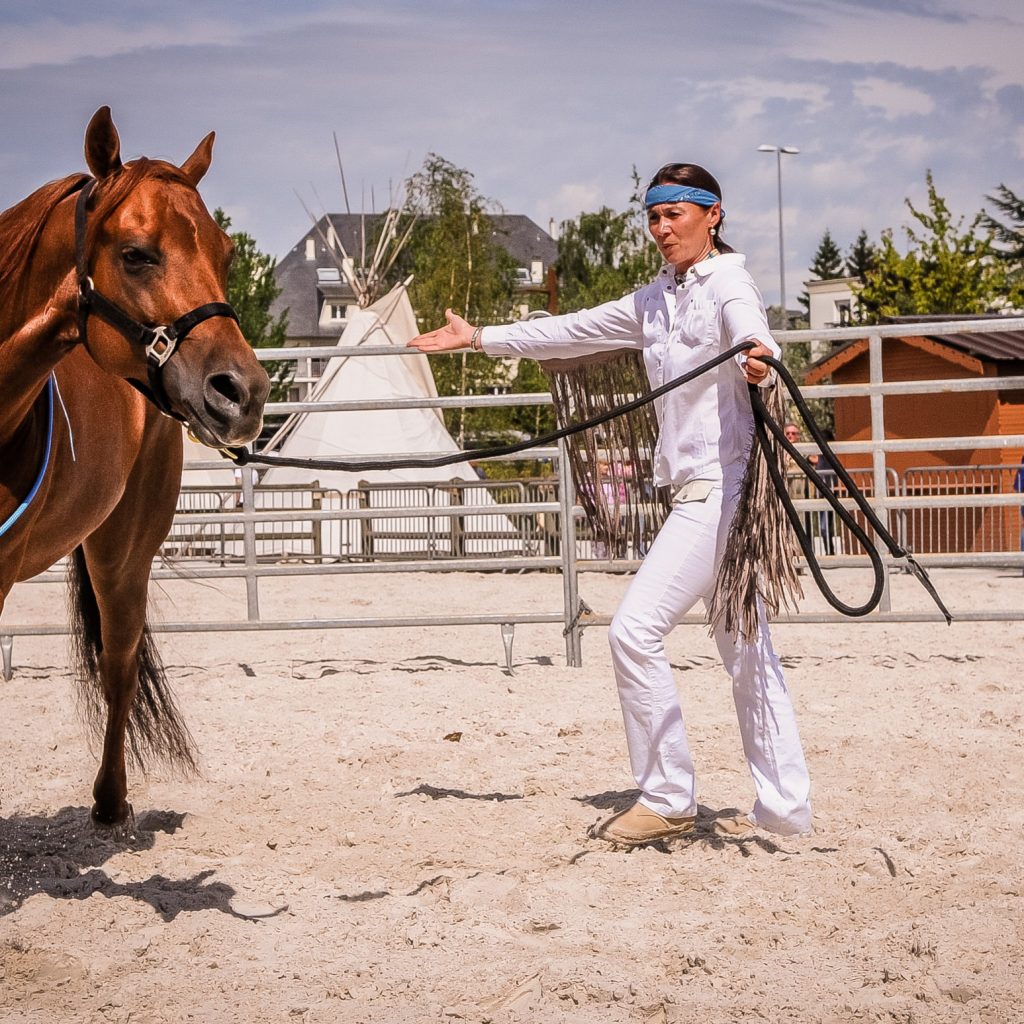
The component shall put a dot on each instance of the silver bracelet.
(474, 342)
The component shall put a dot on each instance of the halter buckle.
(161, 347)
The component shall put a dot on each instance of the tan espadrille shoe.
(742, 826)
(737, 826)
(639, 825)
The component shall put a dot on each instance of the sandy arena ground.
(391, 828)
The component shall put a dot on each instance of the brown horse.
(94, 386)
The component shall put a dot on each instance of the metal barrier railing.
(215, 539)
(539, 521)
(963, 528)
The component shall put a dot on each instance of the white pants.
(681, 567)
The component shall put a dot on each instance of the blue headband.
(680, 194)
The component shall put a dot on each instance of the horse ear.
(102, 145)
(199, 162)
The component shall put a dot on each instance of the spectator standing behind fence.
(702, 302)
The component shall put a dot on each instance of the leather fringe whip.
(761, 549)
(611, 464)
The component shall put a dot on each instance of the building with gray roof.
(316, 293)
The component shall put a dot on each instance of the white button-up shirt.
(705, 425)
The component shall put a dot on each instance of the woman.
(702, 302)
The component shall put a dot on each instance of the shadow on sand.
(62, 855)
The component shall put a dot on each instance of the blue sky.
(549, 104)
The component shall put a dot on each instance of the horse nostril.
(225, 390)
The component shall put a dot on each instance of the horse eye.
(136, 257)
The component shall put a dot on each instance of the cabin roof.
(993, 346)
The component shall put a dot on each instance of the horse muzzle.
(233, 404)
(227, 408)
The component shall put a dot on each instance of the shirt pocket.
(698, 323)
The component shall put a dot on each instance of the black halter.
(160, 342)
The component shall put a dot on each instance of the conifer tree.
(826, 264)
(251, 291)
(1009, 236)
(1009, 239)
(828, 260)
(861, 257)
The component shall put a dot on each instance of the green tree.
(945, 269)
(1009, 238)
(605, 255)
(251, 291)
(828, 260)
(457, 263)
(602, 256)
(826, 264)
(861, 257)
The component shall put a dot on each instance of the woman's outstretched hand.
(456, 334)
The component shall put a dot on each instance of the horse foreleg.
(127, 686)
(121, 605)
(142, 719)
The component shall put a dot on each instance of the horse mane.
(20, 228)
(22, 224)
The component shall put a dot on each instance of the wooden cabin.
(945, 356)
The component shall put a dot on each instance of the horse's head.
(152, 250)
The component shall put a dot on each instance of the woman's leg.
(768, 729)
(677, 571)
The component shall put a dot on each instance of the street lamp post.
(778, 151)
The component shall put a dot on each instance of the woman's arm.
(609, 326)
(744, 318)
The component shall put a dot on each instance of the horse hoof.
(122, 820)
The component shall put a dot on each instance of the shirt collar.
(705, 267)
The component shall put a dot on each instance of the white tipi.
(383, 433)
(345, 435)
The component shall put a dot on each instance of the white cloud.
(894, 99)
(987, 35)
(574, 198)
(835, 173)
(49, 41)
(744, 99)
(549, 122)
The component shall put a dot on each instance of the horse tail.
(156, 729)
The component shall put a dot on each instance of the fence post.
(456, 524)
(318, 527)
(881, 483)
(252, 597)
(365, 525)
(570, 574)
(7, 649)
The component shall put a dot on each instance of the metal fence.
(967, 517)
(979, 528)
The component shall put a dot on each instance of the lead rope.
(244, 458)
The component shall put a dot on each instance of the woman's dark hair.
(697, 177)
